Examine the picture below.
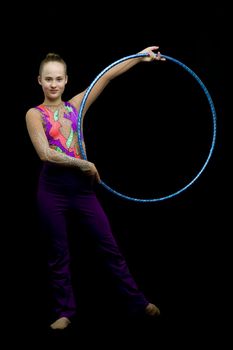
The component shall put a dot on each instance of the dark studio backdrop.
(149, 133)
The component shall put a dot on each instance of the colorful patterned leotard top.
(60, 128)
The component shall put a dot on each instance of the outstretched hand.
(152, 55)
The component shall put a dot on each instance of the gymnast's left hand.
(151, 55)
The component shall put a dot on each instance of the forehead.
(53, 69)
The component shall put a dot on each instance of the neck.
(52, 103)
(54, 108)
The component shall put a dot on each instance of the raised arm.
(46, 153)
(112, 73)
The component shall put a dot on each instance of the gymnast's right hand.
(89, 169)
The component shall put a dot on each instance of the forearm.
(48, 154)
(145, 55)
(53, 156)
(121, 68)
(86, 167)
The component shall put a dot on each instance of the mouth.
(54, 92)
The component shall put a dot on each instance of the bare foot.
(152, 310)
(61, 323)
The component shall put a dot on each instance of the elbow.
(45, 154)
(43, 157)
(48, 155)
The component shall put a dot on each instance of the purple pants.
(61, 190)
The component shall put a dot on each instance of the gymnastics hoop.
(211, 104)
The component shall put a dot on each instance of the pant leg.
(52, 207)
(95, 220)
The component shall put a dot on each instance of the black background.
(149, 134)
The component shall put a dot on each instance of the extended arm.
(112, 73)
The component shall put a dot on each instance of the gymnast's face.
(53, 79)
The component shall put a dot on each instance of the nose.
(53, 83)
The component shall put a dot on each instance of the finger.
(154, 48)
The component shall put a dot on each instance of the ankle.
(152, 310)
(60, 324)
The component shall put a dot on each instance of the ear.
(66, 79)
(39, 79)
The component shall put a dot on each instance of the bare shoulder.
(77, 99)
(32, 113)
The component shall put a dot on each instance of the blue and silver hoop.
(213, 112)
